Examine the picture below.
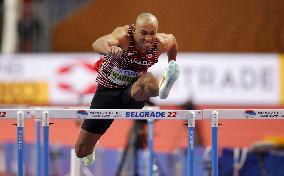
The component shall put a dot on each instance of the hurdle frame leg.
(150, 145)
(38, 147)
(20, 142)
(214, 126)
(75, 163)
(45, 125)
(190, 149)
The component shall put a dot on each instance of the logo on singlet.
(123, 77)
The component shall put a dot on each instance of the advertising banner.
(227, 79)
(69, 79)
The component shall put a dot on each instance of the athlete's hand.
(115, 51)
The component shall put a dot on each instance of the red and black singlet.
(124, 71)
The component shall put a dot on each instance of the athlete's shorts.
(109, 98)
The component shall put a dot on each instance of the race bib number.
(123, 77)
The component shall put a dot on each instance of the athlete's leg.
(85, 143)
(146, 86)
(93, 129)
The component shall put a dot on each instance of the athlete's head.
(146, 31)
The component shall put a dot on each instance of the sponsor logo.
(249, 113)
(69, 74)
(107, 115)
(270, 114)
(263, 114)
(23, 93)
(11, 66)
(20, 140)
(191, 140)
(82, 114)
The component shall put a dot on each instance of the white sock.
(89, 159)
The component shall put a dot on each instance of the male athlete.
(123, 80)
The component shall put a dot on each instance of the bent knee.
(148, 90)
(150, 78)
(152, 89)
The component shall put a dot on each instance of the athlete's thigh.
(128, 102)
(103, 99)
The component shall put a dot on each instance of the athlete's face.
(145, 34)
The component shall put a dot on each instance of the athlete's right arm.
(110, 44)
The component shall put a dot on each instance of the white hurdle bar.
(189, 115)
(241, 114)
(20, 115)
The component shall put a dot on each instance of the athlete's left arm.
(168, 44)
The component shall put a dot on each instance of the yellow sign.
(281, 72)
(32, 93)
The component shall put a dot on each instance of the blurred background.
(230, 56)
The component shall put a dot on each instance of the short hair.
(146, 16)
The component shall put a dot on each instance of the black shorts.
(109, 98)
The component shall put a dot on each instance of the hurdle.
(189, 115)
(242, 114)
(75, 163)
(20, 115)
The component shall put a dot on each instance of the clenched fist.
(115, 51)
